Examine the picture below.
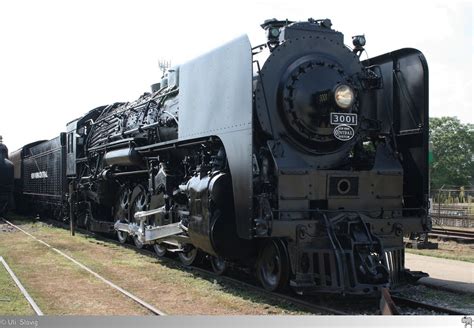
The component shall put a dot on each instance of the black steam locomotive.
(6, 179)
(293, 157)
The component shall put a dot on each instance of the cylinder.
(123, 157)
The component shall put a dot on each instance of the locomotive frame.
(241, 161)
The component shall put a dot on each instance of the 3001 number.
(338, 118)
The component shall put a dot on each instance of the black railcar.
(40, 184)
(293, 157)
(6, 179)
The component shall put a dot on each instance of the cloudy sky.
(59, 59)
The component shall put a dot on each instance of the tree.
(453, 152)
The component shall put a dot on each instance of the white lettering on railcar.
(39, 175)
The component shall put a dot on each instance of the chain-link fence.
(453, 207)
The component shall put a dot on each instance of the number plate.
(340, 118)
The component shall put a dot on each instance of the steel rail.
(141, 302)
(453, 232)
(22, 289)
(418, 304)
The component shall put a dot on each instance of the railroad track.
(126, 293)
(305, 303)
(236, 282)
(453, 234)
(308, 303)
(278, 297)
(403, 302)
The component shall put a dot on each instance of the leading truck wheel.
(273, 266)
(189, 255)
(137, 242)
(122, 236)
(219, 265)
(160, 250)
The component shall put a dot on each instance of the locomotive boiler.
(294, 158)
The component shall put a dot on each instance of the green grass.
(12, 301)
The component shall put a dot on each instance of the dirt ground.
(60, 287)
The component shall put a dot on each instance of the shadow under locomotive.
(294, 158)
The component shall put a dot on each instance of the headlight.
(344, 96)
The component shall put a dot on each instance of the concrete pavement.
(445, 274)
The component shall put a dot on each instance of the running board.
(150, 235)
